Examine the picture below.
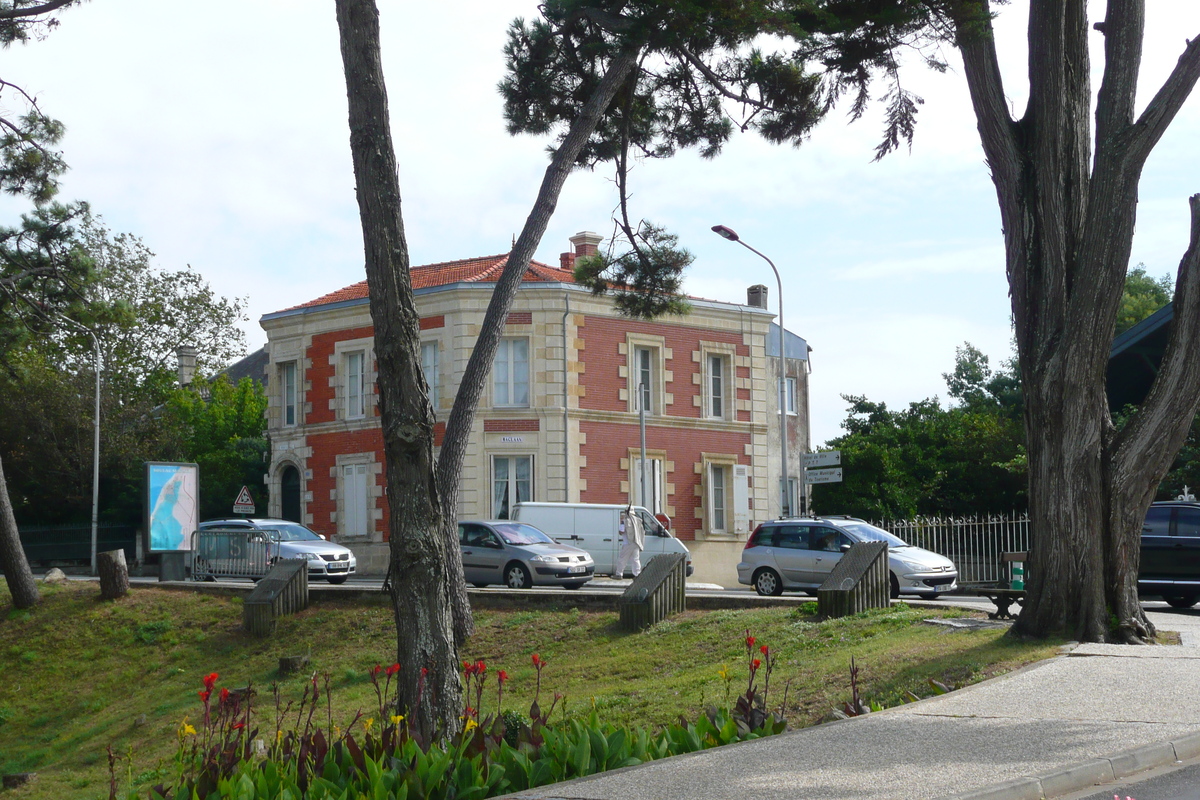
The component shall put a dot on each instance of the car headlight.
(313, 556)
(545, 559)
(913, 566)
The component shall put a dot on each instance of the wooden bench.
(1002, 595)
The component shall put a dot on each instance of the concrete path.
(1097, 713)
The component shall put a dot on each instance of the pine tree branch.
(33, 11)
(1158, 429)
(1161, 111)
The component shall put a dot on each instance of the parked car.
(799, 554)
(1170, 563)
(327, 560)
(594, 527)
(519, 556)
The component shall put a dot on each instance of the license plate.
(576, 570)
(339, 564)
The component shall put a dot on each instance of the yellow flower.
(185, 729)
(471, 724)
(278, 735)
(723, 672)
(397, 719)
(367, 723)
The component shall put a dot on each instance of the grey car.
(519, 555)
(799, 554)
(333, 562)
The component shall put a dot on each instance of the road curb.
(1088, 774)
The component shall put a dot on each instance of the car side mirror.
(845, 548)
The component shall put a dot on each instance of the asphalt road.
(1166, 783)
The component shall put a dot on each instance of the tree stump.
(114, 574)
(290, 664)
(18, 779)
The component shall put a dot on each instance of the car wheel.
(517, 577)
(1180, 600)
(895, 586)
(767, 583)
(575, 585)
(933, 596)
(337, 581)
(480, 585)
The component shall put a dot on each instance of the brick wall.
(320, 372)
(325, 449)
(608, 443)
(603, 383)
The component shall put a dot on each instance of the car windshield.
(516, 533)
(286, 532)
(872, 534)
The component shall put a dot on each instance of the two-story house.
(559, 420)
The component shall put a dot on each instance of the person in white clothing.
(633, 541)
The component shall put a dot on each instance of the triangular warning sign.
(244, 503)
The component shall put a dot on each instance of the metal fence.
(231, 553)
(72, 543)
(974, 544)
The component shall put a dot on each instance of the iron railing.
(231, 553)
(974, 544)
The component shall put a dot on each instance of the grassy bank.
(81, 674)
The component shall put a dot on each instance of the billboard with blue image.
(172, 505)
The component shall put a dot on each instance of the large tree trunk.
(20, 580)
(1068, 228)
(423, 565)
(466, 401)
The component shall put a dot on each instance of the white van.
(595, 527)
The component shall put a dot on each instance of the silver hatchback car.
(519, 556)
(799, 554)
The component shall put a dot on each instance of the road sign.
(244, 503)
(829, 458)
(823, 475)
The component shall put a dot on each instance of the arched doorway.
(289, 485)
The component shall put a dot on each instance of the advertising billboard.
(172, 505)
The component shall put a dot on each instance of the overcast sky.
(219, 137)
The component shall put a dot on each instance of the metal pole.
(95, 433)
(785, 504)
(96, 456)
(566, 404)
(642, 424)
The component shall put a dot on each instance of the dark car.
(1170, 564)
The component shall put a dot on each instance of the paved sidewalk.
(1099, 712)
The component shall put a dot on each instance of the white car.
(327, 560)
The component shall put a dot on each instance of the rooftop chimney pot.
(586, 243)
(756, 296)
(186, 360)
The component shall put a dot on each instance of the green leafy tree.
(40, 268)
(222, 429)
(1142, 296)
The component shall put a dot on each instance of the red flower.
(393, 669)
(480, 667)
(763, 649)
(502, 676)
(424, 671)
(537, 660)
(467, 667)
(224, 695)
(237, 726)
(210, 681)
(204, 695)
(749, 642)
(378, 669)
(756, 663)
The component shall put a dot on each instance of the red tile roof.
(471, 270)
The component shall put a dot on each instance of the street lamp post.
(785, 505)
(95, 433)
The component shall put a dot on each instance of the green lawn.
(81, 674)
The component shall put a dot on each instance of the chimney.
(586, 243)
(567, 261)
(186, 357)
(756, 296)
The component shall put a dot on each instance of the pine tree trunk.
(1068, 228)
(114, 574)
(20, 580)
(423, 568)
